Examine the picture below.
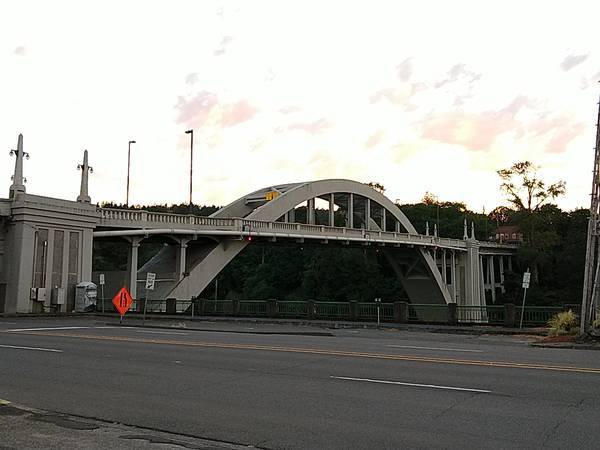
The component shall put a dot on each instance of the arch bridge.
(431, 269)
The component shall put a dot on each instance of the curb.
(288, 333)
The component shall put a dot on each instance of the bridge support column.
(368, 213)
(331, 209)
(502, 274)
(444, 267)
(180, 257)
(291, 216)
(453, 276)
(350, 211)
(397, 227)
(383, 219)
(482, 299)
(473, 274)
(132, 264)
(510, 268)
(311, 211)
(492, 277)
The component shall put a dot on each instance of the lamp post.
(128, 167)
(191, 133)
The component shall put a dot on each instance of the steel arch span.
(414, 266)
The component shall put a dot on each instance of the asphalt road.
(352, 389)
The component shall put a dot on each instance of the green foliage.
(565, 322)
(451, 219)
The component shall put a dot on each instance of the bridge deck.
(127, 222)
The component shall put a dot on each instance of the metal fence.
(360, 311)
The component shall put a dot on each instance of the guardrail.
(398, 312)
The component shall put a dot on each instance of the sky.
(427, 96)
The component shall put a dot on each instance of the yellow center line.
(318, 351)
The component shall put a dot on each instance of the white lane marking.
(31, 348)
(437, 348)
(161, 332)
(430, 386)
(49, 328)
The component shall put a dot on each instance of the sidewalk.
(23, 427)
(293, 325)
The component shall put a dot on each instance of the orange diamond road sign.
(122, 301)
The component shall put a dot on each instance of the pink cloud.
(237, 113)
(197, 109)
(375, 139)
(479, 131)
(289, 109)
(312, 127)
(194, 112)
(405, 69)
(476, 131)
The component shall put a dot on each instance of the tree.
(377, 186)
(500, 215)
(430, 198)
(525, 190)
(534, 214)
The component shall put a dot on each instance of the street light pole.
(128, 167)
(191, 133)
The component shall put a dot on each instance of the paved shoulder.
(23, 427)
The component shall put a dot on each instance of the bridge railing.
(148, 220)
(397, 312)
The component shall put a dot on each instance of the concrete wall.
(47, 243)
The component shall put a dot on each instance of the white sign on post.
(102, 281)
(150, 278)
(526, 279)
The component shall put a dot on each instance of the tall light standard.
(128, 167)
(191, 133)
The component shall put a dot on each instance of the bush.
(563, 323)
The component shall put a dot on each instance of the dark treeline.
(554, 250)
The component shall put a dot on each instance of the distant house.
(509, 234)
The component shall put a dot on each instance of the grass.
(563, 323)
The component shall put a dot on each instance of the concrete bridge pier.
(132, 263)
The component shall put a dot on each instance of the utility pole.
(191, 133)
(128, 167)
(591, 279)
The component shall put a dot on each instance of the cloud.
(236, 113)
(572, 60)
(563, 135)
(21, 50)
(478, 131)
(475, 131)
(222, 49)
(375, 139)
(191, 78)
(205, 106)
(289, 109)
(591, 81)
(197, 109)
(396, 96)
(458, 72)
(315, 127)
(405, 69)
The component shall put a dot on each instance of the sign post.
(122, 302)
(526, 278)
(378, 303)
(102, 282)
(150, 279)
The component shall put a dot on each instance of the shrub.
(563, 323)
